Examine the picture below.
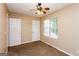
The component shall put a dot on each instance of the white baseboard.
(24, 43)
(58, 48)
(13, 45)
(29, 42)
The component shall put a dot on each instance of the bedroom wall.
(26, 26)
(68, 30)
(3, 29)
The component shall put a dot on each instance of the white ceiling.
(25, 8)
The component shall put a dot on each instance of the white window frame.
(53, 35)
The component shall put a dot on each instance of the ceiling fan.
(40, 9)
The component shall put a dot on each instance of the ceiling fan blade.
(44, 12)
(47, 8)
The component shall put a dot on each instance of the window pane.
(53, 29)
(50, 27)
(46, 27)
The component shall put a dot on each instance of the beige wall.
(26, 26)
(3, 29)
(68, 29)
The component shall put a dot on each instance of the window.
(53, 29)
(50, 27)
(46, 27)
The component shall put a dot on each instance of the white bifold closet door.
(14, 31)
(35, 30)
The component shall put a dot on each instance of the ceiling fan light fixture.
(38, 12)
(41, 10)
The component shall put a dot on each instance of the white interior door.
(14, 31)
(35, 30)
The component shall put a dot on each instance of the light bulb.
(38, 12)
(41, 12)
